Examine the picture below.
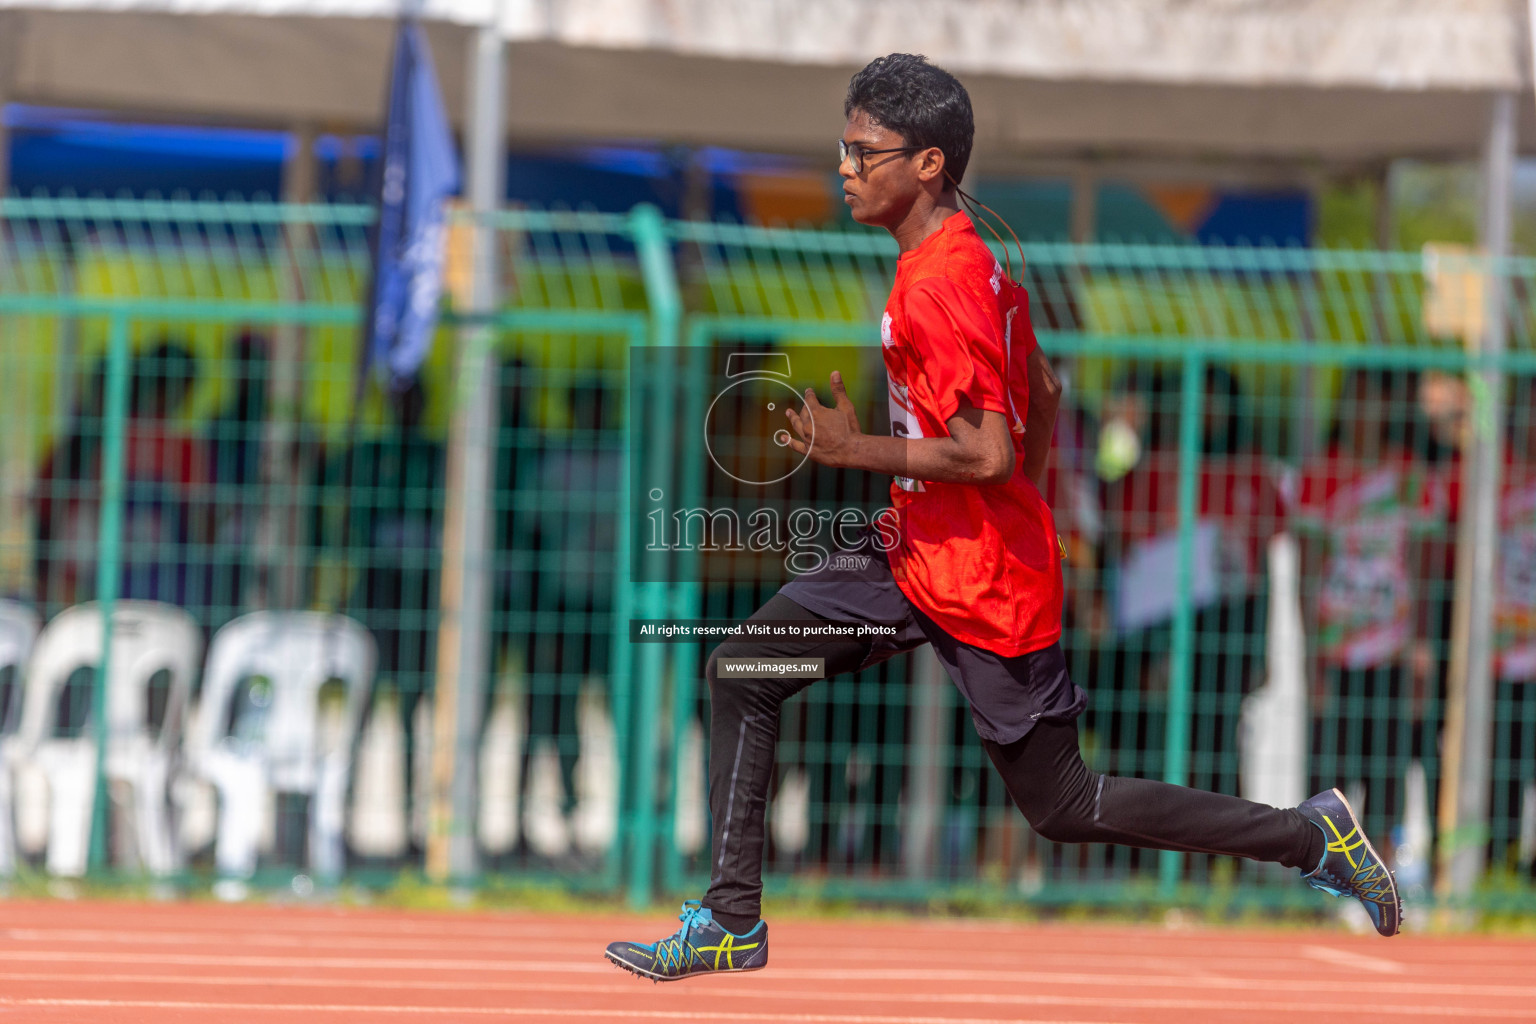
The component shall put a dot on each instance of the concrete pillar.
(1469, 714)
(464, 646)
(285, 470)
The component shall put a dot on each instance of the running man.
(974, 569)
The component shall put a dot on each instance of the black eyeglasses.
(856, 152)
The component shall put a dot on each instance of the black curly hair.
(923, 103)
(926, 106)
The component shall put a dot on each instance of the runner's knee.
(712, 666)
(751, 693)
(1066, 823)
(1052, 787)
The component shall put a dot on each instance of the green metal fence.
(181, 425)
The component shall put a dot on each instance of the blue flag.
(420, 171)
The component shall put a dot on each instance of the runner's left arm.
(1040, 421)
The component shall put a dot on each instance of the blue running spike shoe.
(700, 946)
(1350, 865)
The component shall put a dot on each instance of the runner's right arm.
(977, 450)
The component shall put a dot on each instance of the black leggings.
(1066, 803)
(1044, 772)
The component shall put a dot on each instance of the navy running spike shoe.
(700, 946)
(1350, 865)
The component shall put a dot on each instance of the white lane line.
(520, 1011)
(1359, 961)
(508, 944)
(759, 992)
(518, 932)
(305, 964)
(309, 924)
(493, 924)
(1161, 981)
(512, 938)
(515, 945)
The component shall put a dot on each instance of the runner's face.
(887, 187)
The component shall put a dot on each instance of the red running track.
(209, 964)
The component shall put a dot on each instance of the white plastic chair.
(254, 743)
(377, 821)
(501, 765)
(147, 638)
(19, 626)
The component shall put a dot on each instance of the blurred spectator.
(1515, 603)
(1445, 408)
(166, 475)
(1445, 404)
(1073, 491)
(1514, 617)
(1237, 501)
(389, 494)
(518, 445)
(1367, 506)
(1448, 406)
(516, 450)
(577, 483)
(235, 439)
(1138, 417)
(236, 429)
(1238, 509)
(66, 501)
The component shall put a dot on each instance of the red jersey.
(981, 560)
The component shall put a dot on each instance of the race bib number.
(904, 424)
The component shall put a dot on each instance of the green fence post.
(622, 650)
(664, 299)
(107, 568)
(688, 589)
(1176, 742)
